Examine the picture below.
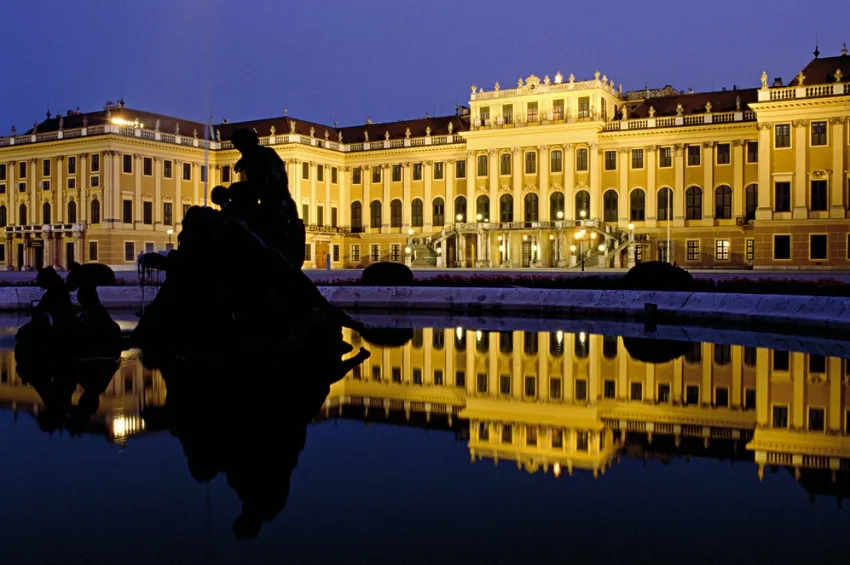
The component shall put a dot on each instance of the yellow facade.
(558, 401)
(551, 173)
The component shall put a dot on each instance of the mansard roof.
(821, 71)
(167, 124)
(721, 101)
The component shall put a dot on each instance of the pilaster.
(765, 184)
(708, 183)
(800, 205)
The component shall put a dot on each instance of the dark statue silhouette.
(235, 320)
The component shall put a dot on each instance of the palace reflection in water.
(563, 402)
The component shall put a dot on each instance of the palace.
(552, 173)
(562, 401)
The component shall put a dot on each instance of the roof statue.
(679, 109)
(652, 111)
(839, 76)
(519, 83)
(366, 135)
(156, 125)
(546, 79)
(339, 136)
(451, 127)
(85, 121)
(35, 127)
(407, 133)
(285, 112)
(497, 86)
(327, 135)
(195, 133)
(272, 130)
(764, 79)
(801, 78)
(625, 112)
(474, 89)
(708, 107)
(387, 135)
(428, 131)
(218, 135)
(292, 124)
(737, 103)
(14, 131)
(572, 77)
(177, 128)
(312, 131)
(61, 122)
(596, 75)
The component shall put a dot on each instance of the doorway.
(526, 253)
(69, 254)
(39, 257)
(20, 256)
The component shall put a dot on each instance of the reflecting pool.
(492, 441)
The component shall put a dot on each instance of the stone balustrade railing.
(811, 91)
(675, 121)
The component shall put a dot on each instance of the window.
(45, 213)
(782, 200)
(693, 250)
(127, 164)
(127, 212)
(530, 436)
(751, 250)
(581, 159)
(3, 171)
(584, 107)
(417, 171)
(484, 115)
(45, 167)
(610, 160)
(460, 207)
(693, 155)
(72, 165)
(72, 184)
(817, 364)
(665, 204)
(531, 207)
(817, 246)
(22, 169)
(781, 246)
(320, 173)
(147, 166)
(355, 253)
(395, 252)
(530, 387)
(375, 252)
(481, 382)
(581, 390)
(752, 152)
(320, 216)
(395, 213)
(637, 158)
(819, 196)
(460, 169)
(749, 399)
(482, 165)
(722, 354)
(506, 342)
(203, 173)
(305, 171)
(147, 212)
(816, 419)
(724, 154)
(555, 388)
(530, 345)
(636, 391)
(508, 113)
(167, 169)
(780, 416)
(505, 164)
(530, 162)
(45, 185)
(396, 173)
(663, 392)
(818, 133)
(691, 394)
(637, 201)
(438, 377)
(416, 213)
(751, 198)
(505, 385)
(582, 203)
(609, 388)
(375, 213)
(558, 439)
(781, 361)
(507, 434)
(95, 212)
(483, 431)
(782, 136)
(129, 251)
(721, 397)
(693, 202)
(22, 215)
(376, 174)
(609, 346)
(582, 441)
(225, 173)
(556, 206)
(556, 161)
(531, 112)
(305, 213)
(723, 203)
(308, 252)
(356, 215)
(438, 339)
(610, 204)
(395, 374)
(665, 157)
(335, 251)
(438, 170)
(167, 213)
(187, 171)
(581, 348)
(558, 109)
(94, 162)
(22, 186)
(356, 175)
(334, 175)
(92, 251)
(439, 212)
(482, 208)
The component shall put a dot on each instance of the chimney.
(777, 81)
(734, 87)
(690, 90)
(724, 89)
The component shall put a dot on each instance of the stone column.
(708, 183)
(651, 188)
(312, 216)
(115, 189)
(366, 179)
(543, 170)
(762, 376)
(157, 203)
(623, 203)
(739, 194)
(679, 186)
(517, 175)
(594, 365)
(838, 178)
(407, 200)
(800, 191)
(293, 173)
(765, 186)
(345, 196)
(706, 390)
(12, 192)
(34, 212)
(449, 207)
(569, 374)
(595, 211)
(328, 209)
(83, 204)
(493, 190)
(138, 217)
(471, 180)
(59, 206)
(737, 377)
(569, 182)
(196, 184)
(798, 379)
(178, 196)
(386, 211)
(837, 404)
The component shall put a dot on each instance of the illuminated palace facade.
(550, 172)
(560, 402)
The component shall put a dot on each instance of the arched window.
(722, 354)
(439, 208)
(395, 213)
(556, 204)
(752, 202)
(22, 215)
(506, 208)
(531, 203)
(438, 339)
(356, 215)
(529, 343)
(609, 346)
(693, 203)
(416, 219)
(482, 342)
(460, 209)
(506, 342)
(556, 344)
(610, 203)
(665, 204)
(45, 213)
(94, 217)
(637, 205)
(375, 214)
(482, 208)
(2, 215)
(723, 203)
(695, 354)
(581, 346)
(72, 212)
(582, 204)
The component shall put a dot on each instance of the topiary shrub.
(657, 275)
(386, 274)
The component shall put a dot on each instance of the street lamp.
(579, 236)
(410, 231)
(560, 215)
(582, 214)
(170, 232)
(479, 217)
(460, 217)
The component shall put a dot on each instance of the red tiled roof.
(167, 124)
(820, 71)
(721, 101)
